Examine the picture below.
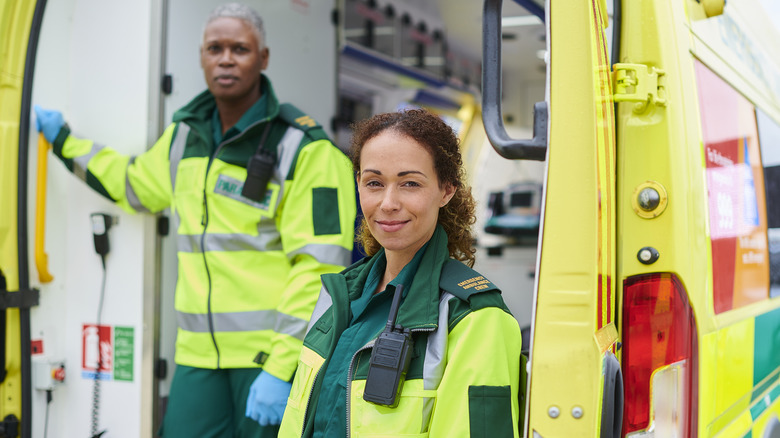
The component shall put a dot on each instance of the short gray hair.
(242, 12)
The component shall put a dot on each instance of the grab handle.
(41, 258)
(533, 149)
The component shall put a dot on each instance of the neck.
(230, 111)
(395, 263)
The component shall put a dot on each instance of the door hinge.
(639, 83)
(22, 299)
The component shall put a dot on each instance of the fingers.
(264, 420)
(250, 404)
(269, 418)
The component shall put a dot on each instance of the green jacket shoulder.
(298, 119)
(463, 282)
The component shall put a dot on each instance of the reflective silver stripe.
(324, 301)
(80, 163)
(177, 151)
(273, 239)
(287, 148)
(290, 325)
(243, 322)
(228, 322)
(188, 242)
(176, 222)
(223, 242)
(132, 198)
(331, 254)
(435, 357)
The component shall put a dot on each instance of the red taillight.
(659, 331)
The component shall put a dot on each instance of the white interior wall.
(92, 64)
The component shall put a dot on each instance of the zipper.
(204, 221)
(308, 399)
(351, 362)
(349, 377)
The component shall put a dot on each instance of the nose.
(390, 200)
(226, 57)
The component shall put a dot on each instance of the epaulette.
(462, 281)
(297, 118)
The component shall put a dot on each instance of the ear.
(264, 55)
(448, 193)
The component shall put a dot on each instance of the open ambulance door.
(19, 26)
(574, 379)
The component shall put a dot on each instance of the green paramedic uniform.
(463, 379)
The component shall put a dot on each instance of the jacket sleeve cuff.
(283, 360)
(59, 142)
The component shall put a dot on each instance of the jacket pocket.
(411, 418)
(490, 411)
(191, 176)
(309, 364)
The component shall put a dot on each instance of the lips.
(226, 79)
(391, 226)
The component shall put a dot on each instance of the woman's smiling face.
(400, 193)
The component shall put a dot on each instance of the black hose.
(21, 221)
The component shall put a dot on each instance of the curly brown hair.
(430, 131)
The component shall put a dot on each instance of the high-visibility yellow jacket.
(464, 374)
(248, 271)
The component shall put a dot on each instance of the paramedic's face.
(400, 193)
(232, 58)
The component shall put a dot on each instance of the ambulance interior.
(105, 75)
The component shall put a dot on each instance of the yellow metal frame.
(575, 303)
(15, 21)
(41, 258)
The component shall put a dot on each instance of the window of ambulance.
(769, 138)
(743, 182)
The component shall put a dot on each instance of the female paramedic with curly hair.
(409, 341)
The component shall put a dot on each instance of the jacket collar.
(420, 307)
(201, 107)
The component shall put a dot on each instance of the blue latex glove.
(267, 399)
(49, 122)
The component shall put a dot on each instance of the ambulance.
(649, 294)
(655, 311)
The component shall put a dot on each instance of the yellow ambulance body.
(656, 310)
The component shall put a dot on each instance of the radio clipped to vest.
(389, 360)
(259, 170)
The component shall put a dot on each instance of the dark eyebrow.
(404, 173)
